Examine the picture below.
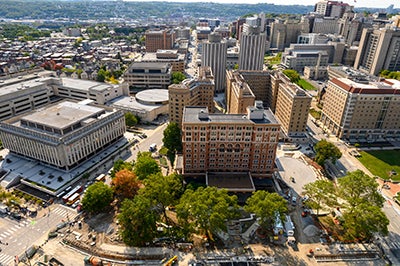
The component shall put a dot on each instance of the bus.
(72, 192)
(73, 199)
(101, 178)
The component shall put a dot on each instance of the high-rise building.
(238, 94)
(229, 143)
(214, 55)
(379, 49)
(285, 32)
(191, 92)
(159, 39)
(245, 87)
(292, 108)
(332, 8)
(362, 112)
(252, 49)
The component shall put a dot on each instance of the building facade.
(63, 135)
(252, 49)
(159, 39)
(238, 93)
(148, 75)
(214, 55)
(191, 92)
(379, 49)
(229, 143)
(172, 57)
(26, 93)
(292, 108)
(362, 112)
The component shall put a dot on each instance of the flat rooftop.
(191, 115)
(86, 85)
(62, 115)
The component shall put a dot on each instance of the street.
(17, 236)
(154, 135)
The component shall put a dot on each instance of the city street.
(154, 135)
(18, 236)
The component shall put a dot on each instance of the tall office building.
(362, 112)
(191, 92)
(379, 49)
(214, 55)
(292, 108)
(238, 94)
(245, 87)
(252, 48)
(159, 39)
(229, 143)
(332, 8)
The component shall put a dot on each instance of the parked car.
(16, 215)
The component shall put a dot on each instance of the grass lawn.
(163, 161)
(306, 85)
(380, 163)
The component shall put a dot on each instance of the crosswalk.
(6, 259)
(6, 236)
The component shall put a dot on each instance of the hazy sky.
(356, 3)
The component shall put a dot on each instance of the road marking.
(3, 235)
(7, 233)
(14, 229)
(5, 259)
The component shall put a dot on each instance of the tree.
(364, 222)
(138, 221)
(145, 165)
(97, 198)
(172, 137)
(101, 75)
(125, 184)
(206, 210)
(292, 75)
(131, 120)
(177, 77)
(358, 188)
(120, 165)
(321, 193)
(326, 150)
(265, 205)
(362, 214)
(163, 190)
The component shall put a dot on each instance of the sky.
(355, 3)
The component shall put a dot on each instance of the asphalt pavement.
(17, 236)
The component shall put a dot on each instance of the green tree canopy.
(97, 198)
(326, 150)
(138, 221)
(358, 188)
(163, 191)
(131, 120)
(145, 165)
(364, 221)
(172, 137)
(206, 210)
(265, 205)
(321, 193)
(177, 77)
(120, 165)
(292, 75)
